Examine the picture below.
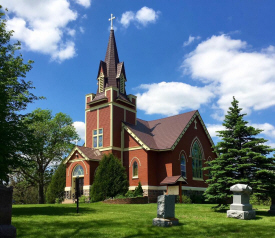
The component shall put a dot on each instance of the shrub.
(130, 194)
(110, 179)
(185, 199)
(57, 184)
(82, 199)
(254, 200)
(119, 196)
(138, 191)
(58, 200)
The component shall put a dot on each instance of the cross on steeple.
(111, 19)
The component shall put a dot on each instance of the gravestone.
(6, 229)
(241, 208)
(166, 211)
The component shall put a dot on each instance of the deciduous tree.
(15, 95)
(50, 142)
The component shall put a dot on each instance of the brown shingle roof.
(111, 60)
(161, 134)
(90, 153)
(173, 180)
(98, 97)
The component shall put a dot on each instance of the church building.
(150, 151)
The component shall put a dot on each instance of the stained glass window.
(135, 169)
(78, 171)
(183, 165)
(197, 160)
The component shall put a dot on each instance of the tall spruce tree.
(242, 158)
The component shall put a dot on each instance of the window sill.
(136, 177)
(198, 179)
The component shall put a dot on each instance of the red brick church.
(149, 150)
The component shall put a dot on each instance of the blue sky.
(179, 55)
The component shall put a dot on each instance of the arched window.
(197, 160)
(135, 169)
(78, 171)
(183, 165)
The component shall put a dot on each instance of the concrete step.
(67, 201)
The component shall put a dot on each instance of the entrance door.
(81, 184)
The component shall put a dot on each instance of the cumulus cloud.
(268, 129)
(142, 17)
(234, 70)
(169, 98)
(42, 26)
(80, 128)
(84, 3)
(213, 128)
(190, 40)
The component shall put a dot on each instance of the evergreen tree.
(57, 184)
(110, 179)
(242, 158)
(138, 190)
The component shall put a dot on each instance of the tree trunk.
(272, 207)
(40, 193)
(41, 187)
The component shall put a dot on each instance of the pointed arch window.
(78, 171)
(183, 165)
(197, 160)
(135, 170)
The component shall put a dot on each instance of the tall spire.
(111, 60)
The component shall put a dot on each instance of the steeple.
(111, 72)
(112, 60)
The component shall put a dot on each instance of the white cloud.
(268, 129)
(42, 26)
(142, 17)
(80, 128)
(71, 32)
(169, 98)
(81, 29)
(84, 3)
(126, 18)
(231, 68)
(213, 128)
(190, 40)
(66, 51)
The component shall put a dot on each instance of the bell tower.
(110, 106)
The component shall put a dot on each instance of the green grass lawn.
(104, 220)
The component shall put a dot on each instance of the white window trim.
(97, 137)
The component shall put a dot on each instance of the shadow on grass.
(49, 210)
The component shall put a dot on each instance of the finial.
(111, 19)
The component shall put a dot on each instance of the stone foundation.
(138, 200)
(153, 195)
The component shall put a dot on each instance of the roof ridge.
(169, 116)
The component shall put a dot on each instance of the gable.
(83, 153)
